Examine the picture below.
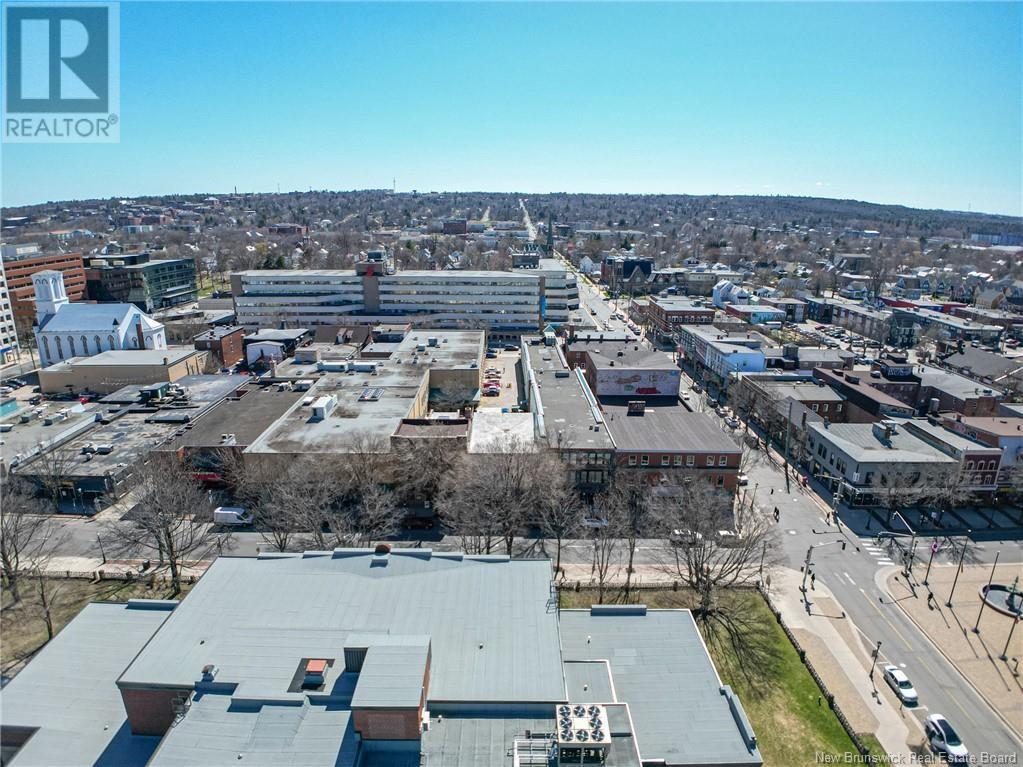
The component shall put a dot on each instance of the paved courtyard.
(976, 655)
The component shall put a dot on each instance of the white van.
(231, 515)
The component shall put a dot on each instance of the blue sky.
(911, 103)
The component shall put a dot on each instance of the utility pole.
(983, 599)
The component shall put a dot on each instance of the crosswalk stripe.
(885, 562)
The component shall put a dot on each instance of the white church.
(65, 330)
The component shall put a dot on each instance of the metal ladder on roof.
(538, 751)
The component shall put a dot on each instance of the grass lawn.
(781, 700)
(23, 630)
(212, 284)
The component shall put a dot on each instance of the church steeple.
(50, 293)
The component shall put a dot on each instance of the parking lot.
(506, 363)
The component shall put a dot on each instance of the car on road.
(743, 480)
(492, 392)
(685, 537)
(511, 348)
(900, 684)
(944, 741)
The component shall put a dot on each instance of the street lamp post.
(934, 550)
(809, 557)
(873, 663)
(1005, 650)
(983, 601)
(959, 569)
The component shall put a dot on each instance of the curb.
(1013, 732)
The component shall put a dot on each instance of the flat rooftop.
(861, 444)
(258, 617)
(493, 430)
(622, 354)
(661, 669)
(568, 414)
(69, 690)
(246, 418)
(126, 358)
(668, 428)
(801, 391)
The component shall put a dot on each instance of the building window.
(46, 346)
(71, 345)
(816, 407)
(60, 348)
(678, 460)
(690, 460)
(723, 460)
(665, 460)
(96, 343)
(632, 460)
(721, 480)
(644, 460)
(710, 460)
(110, 340)
(991, 465)
(969, 464)
(838, 407)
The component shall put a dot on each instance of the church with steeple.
(64, 330)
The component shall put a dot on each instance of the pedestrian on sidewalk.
(777, 514)
(930, 600)
(772, 491)
(813, 579)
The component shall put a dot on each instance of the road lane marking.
(885, 619)
(850, 578)
(885, 561)
(965, 712)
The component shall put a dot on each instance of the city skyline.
(908, 104)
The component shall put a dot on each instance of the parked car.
(743, 480)
(900, 684)
(944, 741)
(685, 537)
(731, 422)
(511, 348)
(231, 515)
(491, 392)
(491, 354)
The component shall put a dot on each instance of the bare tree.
(605, 529)
(51, 471)
(24, 531)
(560, 514)
(700, 556)
(421, 466)
(631, 501)
(492, 495)
(173, 517)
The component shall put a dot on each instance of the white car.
(743, 480)
(944, 740)
(900, 685)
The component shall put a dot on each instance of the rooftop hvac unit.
(583, 724)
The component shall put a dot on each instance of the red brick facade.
(151, 712)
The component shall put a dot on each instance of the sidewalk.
(95, 567)
(950, 629)
(833, 647)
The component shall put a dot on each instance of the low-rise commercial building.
(668, 443)
(225, 343)
(361, 657)
(717, 354)
(665, 314)
(866, 462)
(625, 368)
(109, 371)
(566, 415)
